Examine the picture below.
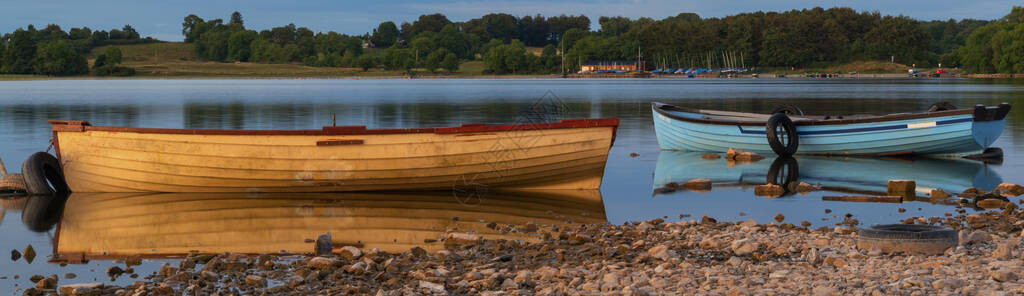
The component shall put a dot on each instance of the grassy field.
(175, 59)
(862, 67)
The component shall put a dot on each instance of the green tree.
(21, 51)
(560, 24)
(385, 35)
(236, 18)
(450, 62)
(366, 62)
(534, 30)
(1009, 48)
(397, 58)
(240, 45)
(422, 45)
(900, 37)
(433, 60)
(189, 27)
(506, 58)
(332, 42)
(213, 45)
(111, 56)
(57, 58)
(571, 36)
(454, 41)
(549, 59)
(130, 33)
(428, 23)
(3, 49)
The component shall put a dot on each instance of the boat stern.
(989, 123)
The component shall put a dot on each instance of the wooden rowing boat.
(117, 225)
(570, 154)
(948, 132)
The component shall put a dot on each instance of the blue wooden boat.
(943, 130)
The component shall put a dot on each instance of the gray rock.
(1003, 275)
(952, 284)
(324, 245)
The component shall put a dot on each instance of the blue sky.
(162, 20)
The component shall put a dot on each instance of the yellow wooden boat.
(570, 154)
(116, 225)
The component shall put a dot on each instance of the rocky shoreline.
(645, 258)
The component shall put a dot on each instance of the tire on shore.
(43, 175)
(907, 238)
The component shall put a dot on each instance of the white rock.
(80, 289)
(350, 252)
(322, 263)
(433, 287)
(662, 252)
(744, 247)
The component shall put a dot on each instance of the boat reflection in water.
(840, 174)
(115, 225)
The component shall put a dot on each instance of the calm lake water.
(158, 225)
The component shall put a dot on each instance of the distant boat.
(569, 154)
(841, 174)
(941, 132)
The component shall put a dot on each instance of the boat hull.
(944, 133)
(566, 155)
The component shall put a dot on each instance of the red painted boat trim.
(82, 126)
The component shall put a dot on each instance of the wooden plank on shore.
(865, 198)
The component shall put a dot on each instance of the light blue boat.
(861, 175)
(955, 132)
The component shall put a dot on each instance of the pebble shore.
(654, 257)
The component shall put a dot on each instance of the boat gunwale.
(84, 126)
(663, 109)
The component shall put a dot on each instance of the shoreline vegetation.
(836, 40)
(176, 60)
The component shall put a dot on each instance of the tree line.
(997, 47)
(814, 37)
(53, 51)
(506, 43)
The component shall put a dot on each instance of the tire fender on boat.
(43, 175)
(781, 127)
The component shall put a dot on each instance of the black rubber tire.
(42, 212)
(792, 140)
(43, 175)
(907, 238)
(941, 106)
(785, 172)
(788, 109)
